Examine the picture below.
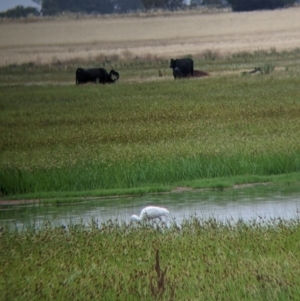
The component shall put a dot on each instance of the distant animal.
(63, 227)
(150, 213)
(96, 75)
(256, 69)
(184, 67)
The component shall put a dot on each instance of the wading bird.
(149, 213)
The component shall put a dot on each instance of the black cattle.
(256, 69)
(185, 67)
(96, 75)
(177, 73)
(197, 73)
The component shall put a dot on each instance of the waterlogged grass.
(204, 260)
(148, 133)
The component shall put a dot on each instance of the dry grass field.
(63, 39)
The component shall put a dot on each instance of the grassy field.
(149, 130)
(204, 260)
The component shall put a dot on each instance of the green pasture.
(149, 132)
(203, 260)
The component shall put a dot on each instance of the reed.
(126, 175)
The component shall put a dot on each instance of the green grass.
(205, 260)
(148, 131)
(57, 197)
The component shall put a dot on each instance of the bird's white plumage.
(150, 212)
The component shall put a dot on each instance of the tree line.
(250, 5)
(19, 12)
(55, 7)
(51, 7)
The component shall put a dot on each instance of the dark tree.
(166, 4)
(174, 4)
(125, 6)
(53, 7)
(216, 3)
(206, 3)
(98, 6)
(150, 4)
(19, 12)
(250, 5)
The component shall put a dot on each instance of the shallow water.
(250, 203)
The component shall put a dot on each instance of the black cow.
(177, 73)
(256, 69)
(185, 67)
(197, 73)
(96, 75)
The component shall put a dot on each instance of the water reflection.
(244, 203)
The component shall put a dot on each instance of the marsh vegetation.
(203, 260)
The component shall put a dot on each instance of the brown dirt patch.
(18, 202)
(181, 189)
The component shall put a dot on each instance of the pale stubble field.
(163, 36)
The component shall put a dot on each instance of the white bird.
(150, 212)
